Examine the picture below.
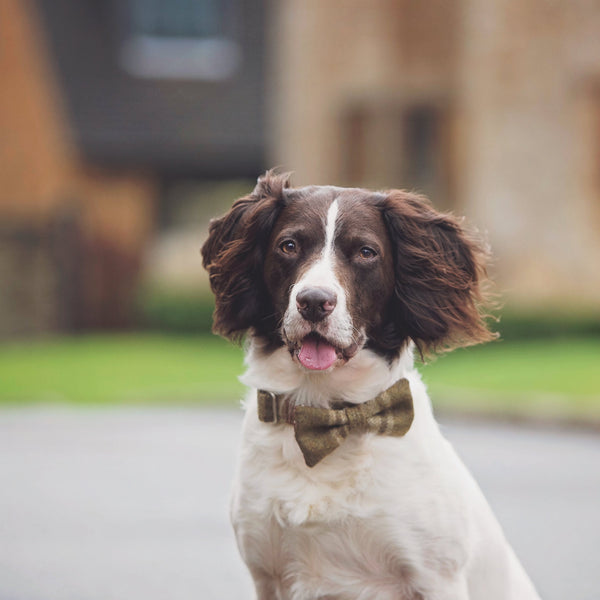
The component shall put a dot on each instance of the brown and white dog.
(335, 288)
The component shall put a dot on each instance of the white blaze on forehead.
(330, 223)
(321, 273)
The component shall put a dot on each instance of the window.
(183, 39)
(423, 166)
(390, 144)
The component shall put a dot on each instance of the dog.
(345, 487)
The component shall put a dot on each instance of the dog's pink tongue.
(316, 354)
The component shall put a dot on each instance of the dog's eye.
(366, 253)
(288, 247)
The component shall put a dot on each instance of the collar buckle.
(274, 407)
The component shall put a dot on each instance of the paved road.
(131, 504)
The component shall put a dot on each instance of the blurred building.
(103, 104)
(491, 107)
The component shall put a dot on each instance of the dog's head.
(328, 271)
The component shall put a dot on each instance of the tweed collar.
(319, 431)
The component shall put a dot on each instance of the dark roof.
(174, 126)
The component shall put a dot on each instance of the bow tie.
(319, 431)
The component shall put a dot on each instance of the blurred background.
(125, 125)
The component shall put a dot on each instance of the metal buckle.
(273, 397)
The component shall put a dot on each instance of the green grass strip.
(544, 377)
(553, 377)
(121, 369)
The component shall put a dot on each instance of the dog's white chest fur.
(337, 530)
(381, 517)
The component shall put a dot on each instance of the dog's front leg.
(265, 584)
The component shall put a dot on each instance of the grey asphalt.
(128, 504)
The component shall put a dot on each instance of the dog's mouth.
(316, 353)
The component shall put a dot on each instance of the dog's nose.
(316, 303)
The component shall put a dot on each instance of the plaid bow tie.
(319, 431)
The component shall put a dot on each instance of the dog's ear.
(234, 253)
(439, 269)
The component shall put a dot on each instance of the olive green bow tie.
(319, 431)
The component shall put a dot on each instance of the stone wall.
(512, 90)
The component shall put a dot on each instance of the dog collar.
(319, 431)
